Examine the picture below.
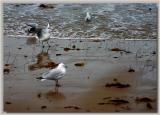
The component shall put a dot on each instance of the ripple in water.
(117, 21)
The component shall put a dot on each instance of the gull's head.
(62, 65)
(48, 26)
(88, 14)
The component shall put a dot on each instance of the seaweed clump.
(117, 85)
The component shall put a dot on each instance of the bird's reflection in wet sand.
(31, 41)
(54, 95)
(43, 61)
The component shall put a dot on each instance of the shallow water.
(118, 21)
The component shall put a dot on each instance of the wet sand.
(91, 84)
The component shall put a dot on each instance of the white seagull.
(43, 34)
(54, 74)
(88, 17)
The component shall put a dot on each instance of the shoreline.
(69, 38)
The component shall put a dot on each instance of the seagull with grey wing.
(88, 17)
(42, 34)
(54, 74)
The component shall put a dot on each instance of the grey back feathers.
(42, 33)
(54, 74)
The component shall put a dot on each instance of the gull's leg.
(57, 85)
(48, 43)
(55, 89)
(42, 44)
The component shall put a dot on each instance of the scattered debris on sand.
(58, 54)
(118, 101)
(117, 85)
(115, 57)
(39, 95)
(7, 102)
(102, 103)
(115, 79)
(74, 107)
(25, 56)
(73, 46)
(116, 49)
(150, 9)
(115, 102)
(19, 48)
(7, 68)
(119, 50)
(43, 107)
(143, 99)
(105, 98)
(67, 49)
(149, 106)
(46, 6)
(154, 52)
(79, 64)
(131, 70)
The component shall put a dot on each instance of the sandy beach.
(102, 75)
(111, 57)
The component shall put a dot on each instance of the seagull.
(54, 74)
(42, 34)
(88, 17)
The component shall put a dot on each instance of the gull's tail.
(47, 24)
(41, 78)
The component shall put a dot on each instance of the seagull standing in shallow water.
(88, 17)
(43, 34)
(54, 74)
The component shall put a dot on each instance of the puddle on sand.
(54, 96)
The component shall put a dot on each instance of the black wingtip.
(39, 78)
